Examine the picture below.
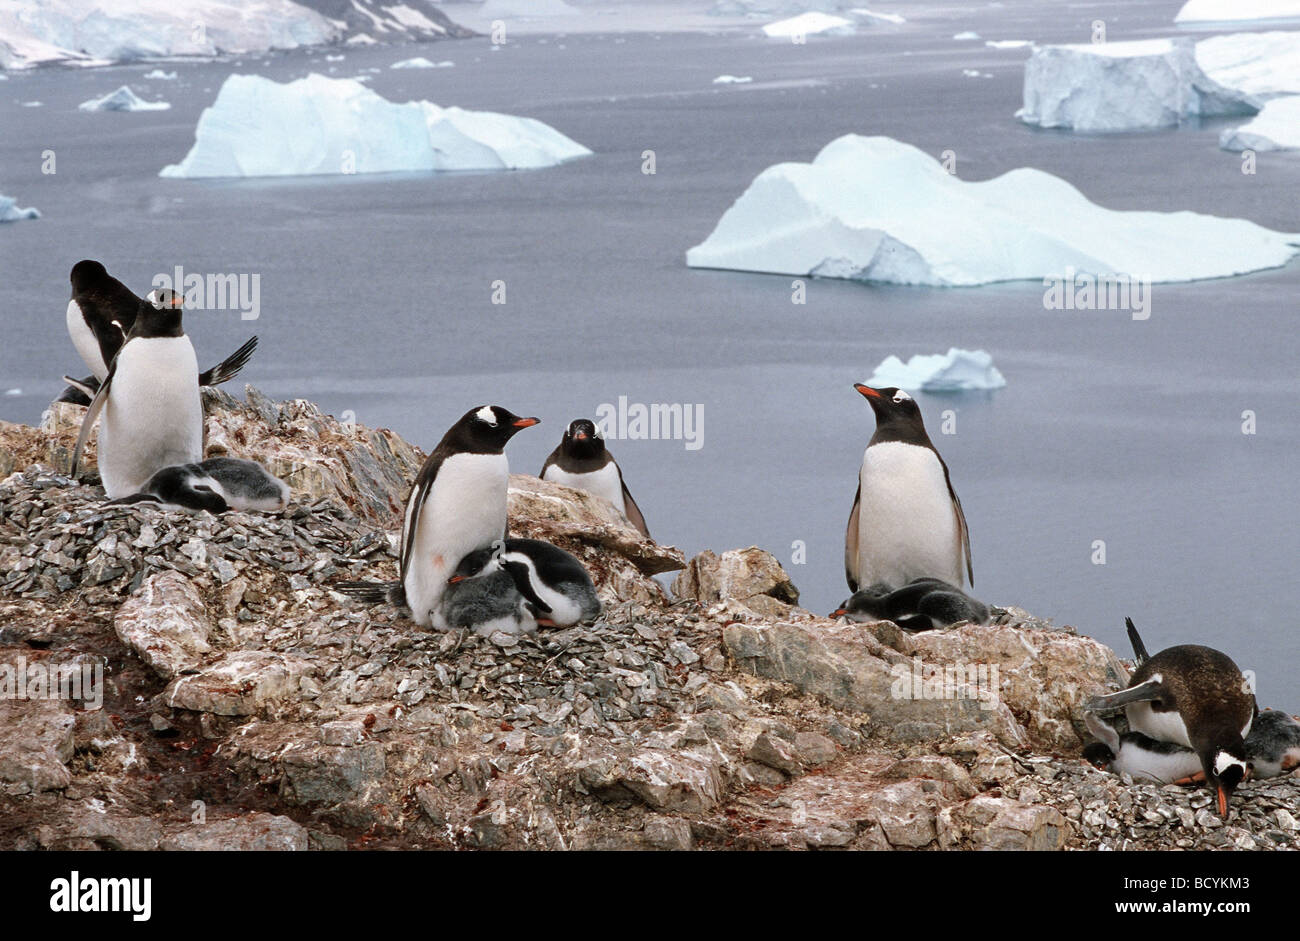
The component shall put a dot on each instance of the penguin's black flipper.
(373, 592)
(229, 367)
(1143, 692)
(79, 391)
(1140, 655)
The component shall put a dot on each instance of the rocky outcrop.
(247, 705)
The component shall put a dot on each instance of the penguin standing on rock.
(457, 505)
(906, 522)
(100, 315)
(1192, 696)
(152, 415)
(581, 461)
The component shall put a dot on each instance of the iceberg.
(733, 80)
(1261, 64)
(1008, 43)
(875, 209)
(809, 24)
(1276, 127)
(9, 211)
(37, 31)
(1123, 86)
(954, 371)
(123, 100)
(159, 75)
(420, 62)
(965, 36)
(1232, 11)
(321, 125)
(893, 18)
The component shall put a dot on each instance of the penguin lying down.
(922, 604)
(216, 485)
(513, 585)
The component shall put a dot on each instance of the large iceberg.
(875, 209)
(9, 211)
(809, 24)
(1276, 127)
(320, 125)
(1123, 86)
(954, 371)
(35, 31)
(1196, 12)
(1261, 64)
(122, 100)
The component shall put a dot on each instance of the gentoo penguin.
(1273, 745)
(152, 415)
(555, 583)
(921, 605)
(906, 521)
(482, 597)
(1193, 696)
(457, 505)
(1139, 756)
(582, 462)
(100, 315)
(216, 485)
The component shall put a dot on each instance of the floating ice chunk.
(1276, 127)
(159, 75)
(338, 58)
(883, 17)
(321, 125)
(1008, 43)
(809, 24)
(1123, 86)
(1261, 64)
(875, 209)
(9, 211)
(32, 104)
(954, 371)
(733, 80)
(123, 100)
(965, 36)
(420, 62)
(1232, 11)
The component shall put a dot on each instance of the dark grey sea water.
(376, 298)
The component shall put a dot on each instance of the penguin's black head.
(865, 605)
(86, 274)
(1225, 768)
(159, 314)
(1099, 755)
(582, 439)
(486, 429)
(898, 417)
(478, 562)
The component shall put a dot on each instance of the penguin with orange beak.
(582, 461)
(1192, 696)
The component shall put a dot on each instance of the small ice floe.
(158, 75)
(809, 24)
(420, 62)
(1276, 127)
(123, 100)
(955, 371)
(733, 80)
(9, 211)
(966, 36)
(1008, 43)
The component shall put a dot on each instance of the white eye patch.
(486, 414)
(1223, 761)
(901, 396)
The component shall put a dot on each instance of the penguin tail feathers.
(1140, 654)
(373, 592)
(229, 367)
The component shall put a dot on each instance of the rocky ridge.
(247, 705)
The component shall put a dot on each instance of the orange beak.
(838, 612)
(545, 622)
(866, 390)
(525, 422)
(178, 300)
(581, 436)
(455, 578)
(1223, 801)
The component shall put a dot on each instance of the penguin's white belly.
(1162, 726)
(465, 510)
(83, 338)
(1160, 767)
(153, 416)
(604, 483)
(907, 527)
(565, 611)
